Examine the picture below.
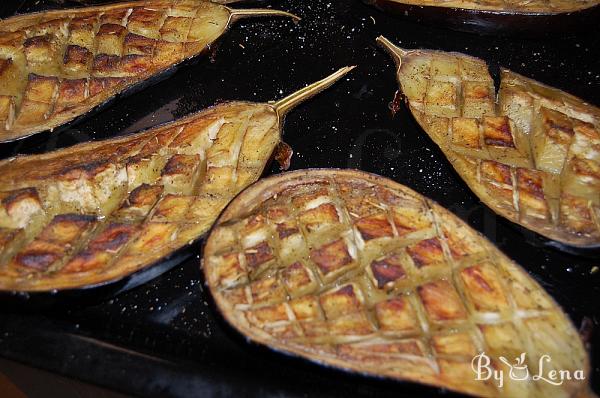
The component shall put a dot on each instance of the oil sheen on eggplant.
(99, 211)
(353, 270)
(533, 156)
(58, 65)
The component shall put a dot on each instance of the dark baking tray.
(165, 338)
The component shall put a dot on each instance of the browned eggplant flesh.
(532, 154)
(353, 270)
(58, 65)
(99, 211)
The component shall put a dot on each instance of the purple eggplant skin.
(500, 23)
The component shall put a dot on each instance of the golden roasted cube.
(409, 220)
(354, 324)
(319, 217)
(473, 69)
(258, 256)
(175, 29)
(426, 252)
(576, 214)
(144, 170)
(298, 279)
(374, 227)
(172, 208)
(137, 44)
(465, 134)
(99, 85)
(96, 187)
(40, 88)
(229, 270)
(341, 301)
(154, 236)
(552, 134)
(387, 271)
(140, 201)
(268, 290)
(532, 200)
(455, 344)
(441, 99)
(71, 93)
(218, 181)
(306, 308)
(483, 288)
(444, 69)
(102, 248)
(497, 132)
(501, 337)
(497, 173)
(109, 39)
(81, 31)
(332, 258)
(167, 53)
(196, 137)
(106, 65)
(145, 22)
(56, 239)
(397, 315)
(441, 301)
(40, 49)
(180, 174)
(77, 59)
(478, 99)
(19, 207)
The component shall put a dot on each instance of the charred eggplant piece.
(58, 65)
(353, 270)
(99, 211)
(532, 18)
(533, 155)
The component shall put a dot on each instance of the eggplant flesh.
(532, 155)
(538, 18)
(58, 65)
(352, 270)
(99, 211)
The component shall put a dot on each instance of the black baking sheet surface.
(165, 338)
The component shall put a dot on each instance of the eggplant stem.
(237, 14)
(284, 105)
(396, 52)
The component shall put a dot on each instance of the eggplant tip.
(284, 105)
(237, 14)
(396, 52)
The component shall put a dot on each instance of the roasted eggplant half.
(512, 17)
(353, 270)
(532, 155)
(58, 65)
(98, 211)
